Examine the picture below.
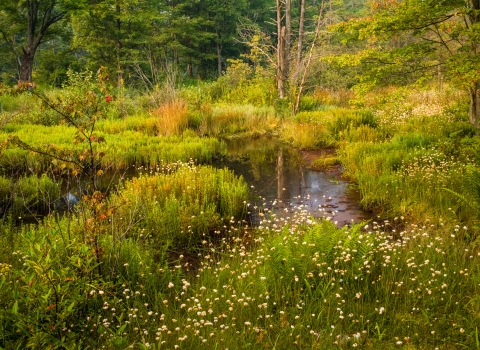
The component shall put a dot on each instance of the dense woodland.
(119, 229)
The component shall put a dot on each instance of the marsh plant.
(292, 283)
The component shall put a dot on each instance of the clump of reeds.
(28, 195)
(128, 145)
(171, 117)
(181, 202)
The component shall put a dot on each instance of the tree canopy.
(405, 41)
(139, 41)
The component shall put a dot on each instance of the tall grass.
(123, 149)
(233, 119)
(328, 127)
(181, 203)
(171, 118)
(299, 285)
(28, 195)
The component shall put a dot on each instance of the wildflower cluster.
(5, 269)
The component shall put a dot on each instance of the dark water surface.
(280, 179)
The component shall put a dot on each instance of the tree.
(284, 36)
(224, 16)
(32, 20)
(111, 32)
(410, 40)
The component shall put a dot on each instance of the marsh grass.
(123, 149)
(180, 203)
(291, 283)
(225, 120)
(171, 118)
(28, 195)
(324, 163)
(328, 127)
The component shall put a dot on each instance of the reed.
(28, 196)
(186, 201)
(122, 149)
(171, 118)
(231, 119)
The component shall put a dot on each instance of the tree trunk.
(26, 67)
(309, 60)
(36, 29)
(280, 52)
(219, 59)
(119, 48)
(300, 34)
(474, 105)
(288, 37)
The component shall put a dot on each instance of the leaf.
(121, 329)
(70, 308)
(15, 308)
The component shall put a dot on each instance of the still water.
(280, 179)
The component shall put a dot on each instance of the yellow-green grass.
(122, 150)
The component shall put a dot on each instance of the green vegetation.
(168, 260)
(160, 252)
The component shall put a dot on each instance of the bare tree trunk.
(474, 105)
(284, 33)
(301, 29)
(288, 38)
(119, 49)
(219, 59)
(309, 60)
(280, 52)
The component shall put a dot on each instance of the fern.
(471, 196)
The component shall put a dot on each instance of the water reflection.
(279, 178)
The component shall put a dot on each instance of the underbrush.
(293, 283)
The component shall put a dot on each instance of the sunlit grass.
(123, 149)
(293, 283)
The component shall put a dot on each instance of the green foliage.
(246, 84)
(28, 195)
(411, 40)
(54, 273)
(188, 202)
